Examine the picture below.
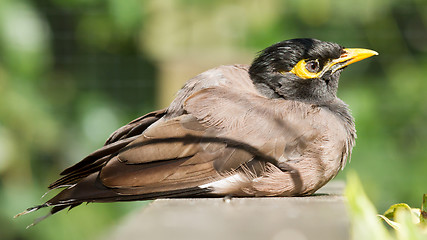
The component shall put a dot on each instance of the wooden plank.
(322, 216)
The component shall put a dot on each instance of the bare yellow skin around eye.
(301, 71)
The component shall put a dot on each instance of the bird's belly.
(302, 175)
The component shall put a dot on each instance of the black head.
(303, 69)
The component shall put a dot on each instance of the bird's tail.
(52, 211)
(87, 190)
(90, 189)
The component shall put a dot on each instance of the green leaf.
(365, 224)
(408, 230)
(423, 215)
(393, 224)
(414, 212)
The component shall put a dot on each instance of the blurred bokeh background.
(71, 72)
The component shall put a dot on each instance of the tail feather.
(52, 211)
(90, 190)
(31, 209)
(37, 220)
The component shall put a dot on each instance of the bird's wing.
(135, 127)
(266, 124)
(179, 153)
(221, 132)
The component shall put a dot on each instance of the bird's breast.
(310, 150)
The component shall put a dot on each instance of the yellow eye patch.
(301, 69)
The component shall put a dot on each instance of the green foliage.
(408, 223)
(365, 223)
(24, 40)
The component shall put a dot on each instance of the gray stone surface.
(322, 216)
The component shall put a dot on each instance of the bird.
(272, 128)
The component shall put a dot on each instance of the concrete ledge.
(322, 216)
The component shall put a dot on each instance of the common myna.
(274, 128)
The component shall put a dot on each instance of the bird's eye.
(313, 66)
(306, 69)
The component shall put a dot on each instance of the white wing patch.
(224, 186)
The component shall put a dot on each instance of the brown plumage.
(275, 128)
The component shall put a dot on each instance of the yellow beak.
(351, 55)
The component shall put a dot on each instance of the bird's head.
(303, 69)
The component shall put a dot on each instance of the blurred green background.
(71, 72)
